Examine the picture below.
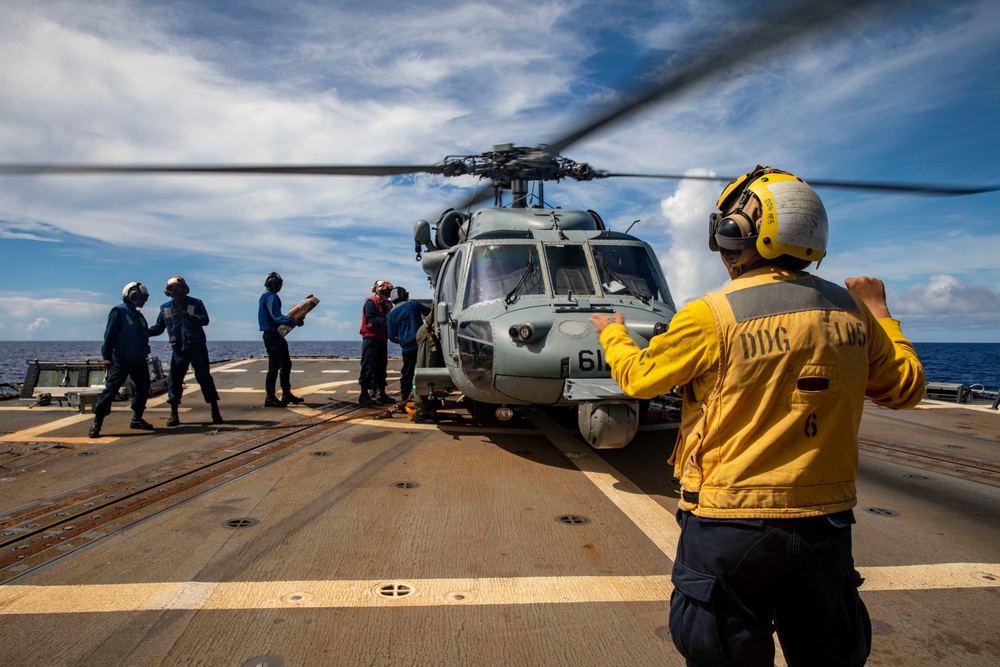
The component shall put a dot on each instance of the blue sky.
(911, 98)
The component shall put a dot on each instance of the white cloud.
(691, 268)
(948, 295)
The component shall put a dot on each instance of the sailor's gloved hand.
(182, 315)
(301, 322)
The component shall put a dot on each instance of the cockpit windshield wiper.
(610, 273)
(529, 270)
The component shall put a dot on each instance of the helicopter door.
(448, 294)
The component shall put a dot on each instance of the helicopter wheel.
(483, 413)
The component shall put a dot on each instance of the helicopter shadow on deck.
(643, 462)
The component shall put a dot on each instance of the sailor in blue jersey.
(184, 318)
(126, 345)
(279, 362)
(403, 321)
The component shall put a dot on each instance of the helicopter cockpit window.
(449, 281)
(502, 271)
(628, 269)
(569, 271)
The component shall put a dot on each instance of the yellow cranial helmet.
(771, 213)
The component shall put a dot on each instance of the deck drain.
(264, 661)
(881, 628)
(395, 590)
(297, 598)
(460, 597)
(881, 511)
(240, 523)
(321, 454)
(405, 485)
(87, 454)
(916, 476)
(572, 519)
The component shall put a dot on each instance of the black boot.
(365, 398)
(173, 419)
(273, 402)
(289, 397)
(95, 428)
(383, 397)
(216, 415)
(140, 424)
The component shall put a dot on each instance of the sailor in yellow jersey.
(774, 370)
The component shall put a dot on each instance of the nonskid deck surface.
(328, 534)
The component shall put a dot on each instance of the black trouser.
(279, 363)
(179, 362)
(737, 582)
(406, 378)
(374, 364)
(121, 371)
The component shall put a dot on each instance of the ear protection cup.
(136, 293)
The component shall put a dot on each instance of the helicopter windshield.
(497, 271)
(628, 269)
(569, 271)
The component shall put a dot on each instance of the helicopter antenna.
(631, 226)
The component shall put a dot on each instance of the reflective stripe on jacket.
(185, 334)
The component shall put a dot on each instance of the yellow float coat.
(774, 369)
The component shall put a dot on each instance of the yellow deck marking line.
(930, 404)
(329, 594)
(930, 577)
(399, 422)
(17, 599)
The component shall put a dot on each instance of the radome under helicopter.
(514, 284)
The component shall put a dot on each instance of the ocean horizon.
(960, 363)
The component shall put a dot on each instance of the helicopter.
(514, 284)
(514, 288)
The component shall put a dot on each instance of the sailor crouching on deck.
(184, 318)
(126, 345)
(774, 368)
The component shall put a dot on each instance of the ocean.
(965, 363)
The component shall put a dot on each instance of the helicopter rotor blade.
(931, 189)
(794, 24)
(277, 170)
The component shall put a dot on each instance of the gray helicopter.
(514, 287)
